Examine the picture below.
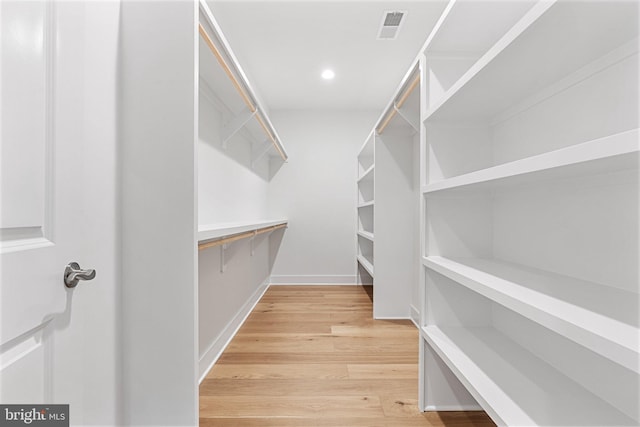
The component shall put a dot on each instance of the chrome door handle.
(73, 274)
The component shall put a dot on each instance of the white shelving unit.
(393, 179)
(529, 176)
(365, 211)
(223, 83)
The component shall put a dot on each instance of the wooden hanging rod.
(240, 236)
(239, 88)
(399, 104)
(271, 137)
(225, 67)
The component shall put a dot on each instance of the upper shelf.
(609, 154)
(366, 156)
(366, 151)
(216, 231)
(601, 318)
(517, 65)
(228, 85)
(470, 28)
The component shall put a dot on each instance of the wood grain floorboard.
(272, 371)
(313, 356)
(287, 327)
(286, 387)
(321, 357)
(383, 371)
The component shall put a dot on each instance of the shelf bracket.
(410, 120)
(237, 123)
(223, 261)
(264, 149)
(252, 242)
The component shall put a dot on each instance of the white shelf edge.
(366, 204)
(611, 338)
(366, 264)
(511, 391)
(366, 173)
(623, 143)
(215, 231)
(367, 235)
(520, 27)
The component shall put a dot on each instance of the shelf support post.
(223, 261)
(252, 241)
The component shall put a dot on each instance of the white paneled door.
(43, 206)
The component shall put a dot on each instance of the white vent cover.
(390, 26)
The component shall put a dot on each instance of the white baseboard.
(453, 408)
(415, 316)
(214, 352)
(314, 280)
(391, 318)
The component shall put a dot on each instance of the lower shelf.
(515, 387)
(602, 318)
(366, 264)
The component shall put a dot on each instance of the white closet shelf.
(216, 231)
(512, 385)
(366, 204)
(366, 234)
(366, 264)
(609, 154)
(528, 48)
(367, 175)
(571, 307)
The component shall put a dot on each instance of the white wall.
(157, 111)
(229, 189)
(226, 298)
(316, 190)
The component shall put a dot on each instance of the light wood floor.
(313, 356)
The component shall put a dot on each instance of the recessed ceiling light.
(328, 74)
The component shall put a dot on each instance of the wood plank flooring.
(313, 356)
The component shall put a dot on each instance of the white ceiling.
(283, 46)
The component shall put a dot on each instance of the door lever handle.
(73, 274)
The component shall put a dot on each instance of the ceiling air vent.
(390, 25)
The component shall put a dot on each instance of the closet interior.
(514, 170)
(497, 208)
